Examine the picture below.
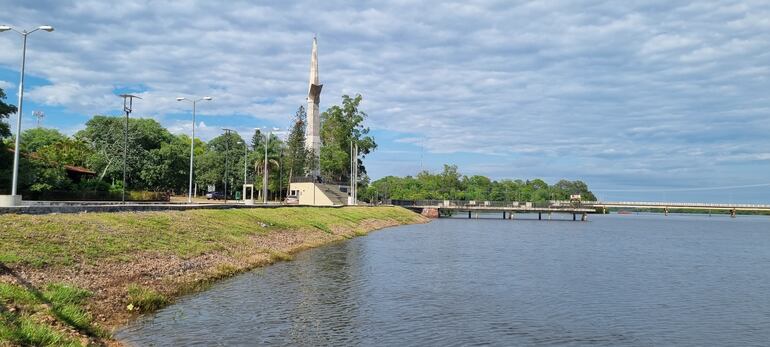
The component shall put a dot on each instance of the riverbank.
(72, 279)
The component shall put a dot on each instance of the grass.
(68, 239)
(23, 330)
(143, 299)
(23, 313)
(50, 243)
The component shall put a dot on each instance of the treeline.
(158, 161)
(450, 184)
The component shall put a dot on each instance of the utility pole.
(227, 150)
(128, 103)
(245, 155)
(353, 172)
(280, 176)
(264, 173)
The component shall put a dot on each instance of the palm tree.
(273, 164)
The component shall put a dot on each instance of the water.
(634, 280)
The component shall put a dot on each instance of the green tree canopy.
(451, 185)
(167, 167)
(34, 139)
(6, 158)
(6, 110)
(105, 136)
(210, 166)
(340, 126)
(296, 155)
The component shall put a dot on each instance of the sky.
(642, 100)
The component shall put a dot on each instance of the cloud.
(6, 85)
(619, 92)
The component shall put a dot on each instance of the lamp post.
(227, 150)
(245, 153)
(192, 142)
(15, 199)
(264, 176)
(128, 103)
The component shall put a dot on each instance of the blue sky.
(643, 100)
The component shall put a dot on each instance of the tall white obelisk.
(313, 130)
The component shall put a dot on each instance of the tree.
(45, 167)
(210, 167)
(6, 158)
(167, 167)
(274, 149)
(296, 158)
(6, 111)
(105, 136)
(451, 184)
(34, 139)
(341, 126)
(564, 188)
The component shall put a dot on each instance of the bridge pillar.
(665, 211)
(503, 214)
(574, 216)
(732, 213)
(469, 214)
(584, 218)
(540, 216)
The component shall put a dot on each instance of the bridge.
(667, 206)
(434, 208)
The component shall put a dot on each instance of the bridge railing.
(668, 204)
(477, 204)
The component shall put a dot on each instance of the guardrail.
(668, 204)
(566, 203)
(481, 204)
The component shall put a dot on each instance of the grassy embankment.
(72, 278)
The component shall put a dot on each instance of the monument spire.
(313, 131)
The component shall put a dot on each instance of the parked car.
(214, 196)
(292, 200)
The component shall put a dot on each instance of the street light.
(192, 142)
(264, 176)
(128, 103)
(245, 153)
(227, 164)
(15, 199)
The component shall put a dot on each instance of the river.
(617, 280)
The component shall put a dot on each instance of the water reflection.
(618, 280)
